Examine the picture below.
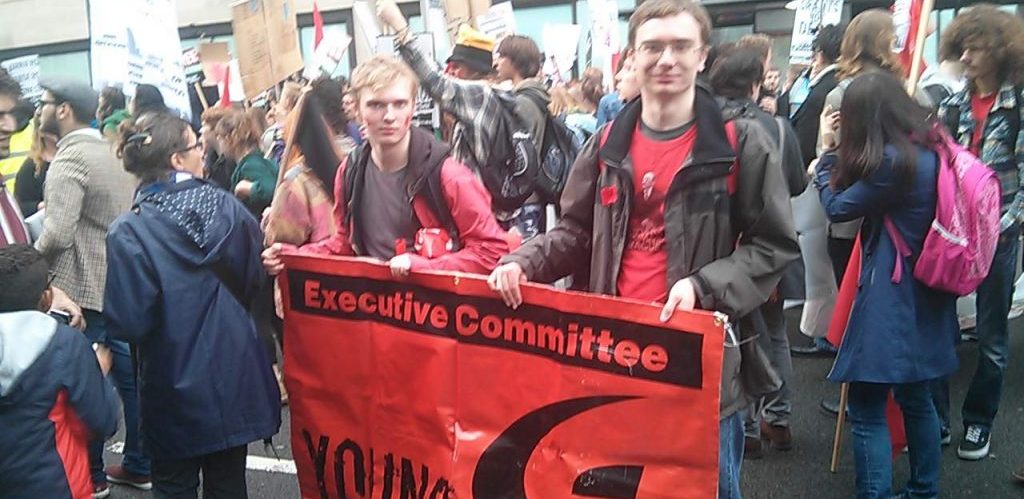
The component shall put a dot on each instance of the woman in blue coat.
(900, 335)
(181, 265)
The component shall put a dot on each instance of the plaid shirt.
(86, 189)
(475, 106)
(1002, 147)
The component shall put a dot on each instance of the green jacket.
(263, 175)
(110, 123)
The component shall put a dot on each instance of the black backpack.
(511, 168)
(558, 152)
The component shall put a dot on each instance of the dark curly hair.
(9, 86)
(999, 33)
(23, 271)
(828, 41)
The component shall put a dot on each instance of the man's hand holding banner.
(431, 387)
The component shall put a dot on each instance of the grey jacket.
(86, 189)
(734, 247)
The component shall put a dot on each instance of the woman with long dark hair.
(184, 264)
(901, 334)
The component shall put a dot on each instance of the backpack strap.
(434, 194)
(732, 183)
(902, 248)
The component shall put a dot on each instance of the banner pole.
(202, 97)
(922, 32)
(837, 441)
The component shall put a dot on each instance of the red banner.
(431, 387)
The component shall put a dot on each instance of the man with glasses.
(12, 225)
(86, 189)
(656, 200)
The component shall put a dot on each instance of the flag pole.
(837, 441)
(922, 32)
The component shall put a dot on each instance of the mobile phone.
(61, 316)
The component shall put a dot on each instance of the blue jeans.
(730, 456)
(135, 461)
(777, 406)
(995, 295)
(872, 449)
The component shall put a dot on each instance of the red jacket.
(432, 172)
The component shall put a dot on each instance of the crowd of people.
(699, 180)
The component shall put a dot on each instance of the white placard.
(327, 55)
(498, 21)
(811, 15)
(134, 42)
(560, 45)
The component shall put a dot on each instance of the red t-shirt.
(980, 107)
(645, 259)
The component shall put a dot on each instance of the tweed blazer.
(86, 189)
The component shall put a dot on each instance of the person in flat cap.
(472, 56)
(86, 189)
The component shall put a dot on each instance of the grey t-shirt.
(386, 212)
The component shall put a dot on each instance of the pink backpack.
(961, 242)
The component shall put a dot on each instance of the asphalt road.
(800, 473)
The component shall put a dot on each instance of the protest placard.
(134, 42)
(446, 392)
(327, 55)
(266, 42)
(810, 16)
(499, 20)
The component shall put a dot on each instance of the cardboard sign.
(432, 387)
(810, 16)
(267, 42)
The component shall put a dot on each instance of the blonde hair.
(290, 93)
(379, 72)
(867, 44)
(562, 101)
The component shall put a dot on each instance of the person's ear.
(46, 300)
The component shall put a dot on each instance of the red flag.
(837, 329)
(225, 95)
(909, 10)
(318, 26)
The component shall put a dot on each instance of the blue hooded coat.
(176, 263)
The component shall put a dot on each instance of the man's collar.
(821, 74)
(84, 132)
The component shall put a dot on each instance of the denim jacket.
(1002, 147)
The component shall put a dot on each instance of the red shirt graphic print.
(642, 274)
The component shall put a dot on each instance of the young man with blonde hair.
(675, 203)
(400, 197)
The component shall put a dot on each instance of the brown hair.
(380, 71)
(1000, 34)
(146, 144)
(523, 52)
(868, 43)
(212, 116)
(760, 43)
(592, 87)
(239, 133)
(657, 9)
